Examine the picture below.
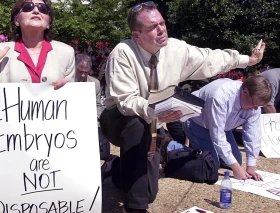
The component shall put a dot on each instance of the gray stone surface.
(175, 196)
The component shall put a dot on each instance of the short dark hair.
(133, 22)
(259, 87)
(16, 31)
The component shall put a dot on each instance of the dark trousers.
(104, 145)
(139, 177)
(277, 107)
(176, 130)
(200, 140)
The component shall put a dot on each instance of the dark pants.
(277, 107)
(200, 139)
(139, 177)
(176, 130)
(104, 145)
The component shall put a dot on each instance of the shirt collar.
(76, 80)
(46, 46)
(26, 58)
(146, 55)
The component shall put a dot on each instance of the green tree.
(101, 20)
(237, 24)
(5, 12)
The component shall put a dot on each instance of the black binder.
(175, 92)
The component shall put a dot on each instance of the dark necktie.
(153, 88)
(153, 74)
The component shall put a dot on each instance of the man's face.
(153, 34)
(249, 102)
(82, 70)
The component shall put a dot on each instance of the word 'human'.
(31, 110)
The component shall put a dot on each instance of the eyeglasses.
(29, 6)
(138, 7)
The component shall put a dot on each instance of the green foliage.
(5, 12)
(235, 24)
(101, 20)
(222, 24)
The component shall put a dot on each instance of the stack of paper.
(173, 104)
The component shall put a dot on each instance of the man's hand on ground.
(251, 171)
(239, 172)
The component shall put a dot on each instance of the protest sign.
(49, 149)
(269, 187)
(270, 127)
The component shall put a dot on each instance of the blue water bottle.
(225, 192)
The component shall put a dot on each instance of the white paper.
(269, 187)
(196, 209)
(56, 164)
(270, 127)
(188, 110)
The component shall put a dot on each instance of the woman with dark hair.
(33, 56)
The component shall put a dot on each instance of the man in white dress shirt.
(127, 117)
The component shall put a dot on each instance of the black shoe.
(107, 167)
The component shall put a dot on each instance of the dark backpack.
(192, 165)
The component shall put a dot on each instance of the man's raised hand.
(257, 53)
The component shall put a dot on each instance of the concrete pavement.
(175, 196)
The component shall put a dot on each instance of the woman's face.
(33, 19)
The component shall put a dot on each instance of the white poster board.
(49, 149)
(270, 127)
(269, 187)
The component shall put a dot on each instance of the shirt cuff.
(229, 160)
(251, 161)
(151, 112)
(151, 115)
(243, 61)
